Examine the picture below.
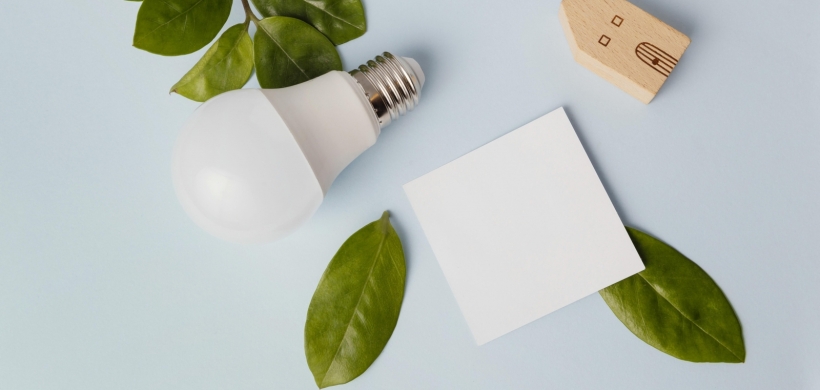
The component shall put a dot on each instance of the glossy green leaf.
(176, 27)
(339, 20)
(227, 65)
(674, 306)
(289, 51)
(356, 305)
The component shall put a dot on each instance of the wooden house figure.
(623, 44)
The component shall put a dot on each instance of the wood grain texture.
(622, 43)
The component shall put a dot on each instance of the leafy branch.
(294, 41)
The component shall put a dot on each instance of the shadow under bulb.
(252, 165)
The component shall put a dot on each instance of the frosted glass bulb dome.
(252, 165)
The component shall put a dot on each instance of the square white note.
(522, 226)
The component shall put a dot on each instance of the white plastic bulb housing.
(252, 165)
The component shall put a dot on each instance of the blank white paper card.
(522, 226)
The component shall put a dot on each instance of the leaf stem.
(384, 221)
(249, 15)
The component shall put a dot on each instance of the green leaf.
(227, 65)
(674, 306)
(356, 305)
(289, 51)
(340, 20)
(176, 27)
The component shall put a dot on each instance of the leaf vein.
(171, 20)
(356, 308)
(283, 51)
(689, 319)
(334, 16)
(211, 67)
(393, 261)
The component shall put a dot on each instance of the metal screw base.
(391, 85)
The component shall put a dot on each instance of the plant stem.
(249, 15)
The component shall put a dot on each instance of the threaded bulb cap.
(392, 85)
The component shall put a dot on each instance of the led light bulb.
(252, 165)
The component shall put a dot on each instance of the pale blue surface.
(106, 284)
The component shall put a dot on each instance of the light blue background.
(106, 284)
